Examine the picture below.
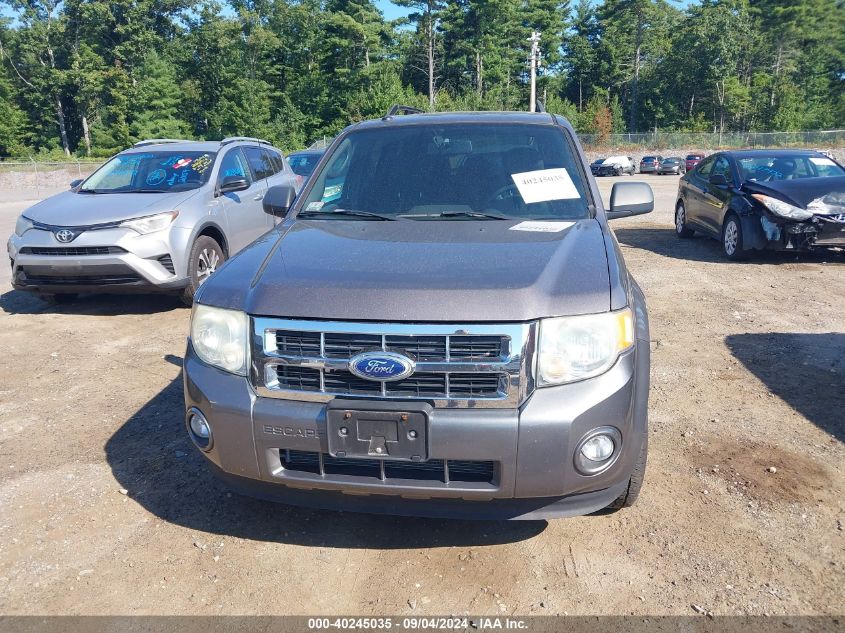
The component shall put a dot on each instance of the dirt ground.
(105, 508)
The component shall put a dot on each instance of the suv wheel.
(206, 256)
(629, 497)
(681, 228)
(618, 171)
(732, 238)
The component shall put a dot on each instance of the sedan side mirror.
(630, 198)
(279, 199)
(719, 180)
(75, 183)
(233, 183)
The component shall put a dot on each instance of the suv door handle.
(260, 196)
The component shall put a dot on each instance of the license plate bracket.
(395, 431)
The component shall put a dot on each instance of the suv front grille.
(433, 470)
(71, 251)
(472, 365)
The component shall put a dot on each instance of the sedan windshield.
(151, 172)
(455, 171)
(787, 167)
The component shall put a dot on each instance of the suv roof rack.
(397, 108)
(235, 139)
(159, 141)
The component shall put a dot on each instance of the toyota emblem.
(65, 235)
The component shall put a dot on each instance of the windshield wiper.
(146, 191)
(87, 191)
(458, 214)
(344, 212)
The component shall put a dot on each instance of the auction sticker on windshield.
(543, 185)
(539, 226)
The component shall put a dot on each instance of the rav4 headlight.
(22, 225)
(579, 347)
(151, 223)
(220, 337)
(782, 209)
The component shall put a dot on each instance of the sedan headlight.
(151, 223)
(22, 225)
(782, 209)
(220, 337)
(579, 347)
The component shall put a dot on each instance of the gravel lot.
(105, 508)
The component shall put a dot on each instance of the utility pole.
(534, 59)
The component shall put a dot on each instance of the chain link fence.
(659, 140)
(33, 180)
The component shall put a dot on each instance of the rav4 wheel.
(732, 238)
(681, 228)
(206, 256)
(629, 497)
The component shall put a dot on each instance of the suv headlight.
(782, 209)
(151, 223)
(22, 225)
(220, 337)
(579, 347)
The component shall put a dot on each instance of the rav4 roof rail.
(540, 106)
(157, 141)
(235, 139)
(397, 108)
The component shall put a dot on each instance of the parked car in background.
(616, 166)
(692, 160)
(160, 216)
(454, 334)
(764, 199)
(671, 165)
(649, 164)
(302, 163)
(594, 166)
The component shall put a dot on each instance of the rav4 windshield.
(151, 172)
(464, 172)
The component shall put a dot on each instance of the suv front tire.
(206, 255)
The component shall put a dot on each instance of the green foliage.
(76, 74)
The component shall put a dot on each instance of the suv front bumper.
(532, 447)
(135, 262)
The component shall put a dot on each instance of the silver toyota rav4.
(160, 216)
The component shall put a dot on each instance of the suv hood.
(84, 209)
(456, 271)
(824, 196)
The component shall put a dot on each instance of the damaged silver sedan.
(764, 199)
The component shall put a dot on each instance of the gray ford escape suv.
(442, 325)
(159, 216)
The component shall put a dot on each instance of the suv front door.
(245, 217)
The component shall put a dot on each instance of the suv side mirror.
(719, 180)
(630, 198)
(233, 183)
(279, 199)
(75, 183)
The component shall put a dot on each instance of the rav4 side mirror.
(233, 183)
(75, 183)
(719, 180)
(630, 198)
(279, 199)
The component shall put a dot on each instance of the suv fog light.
(199, 429)
(598, 450)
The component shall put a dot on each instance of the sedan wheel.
(732, 238)
(681, 228)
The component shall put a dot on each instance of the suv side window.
(276, 160)
(233, 164)
(259, 162)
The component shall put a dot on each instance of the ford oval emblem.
(381, 366)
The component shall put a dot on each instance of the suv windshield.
(452, 171)
(151, 172)
(303, 164)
